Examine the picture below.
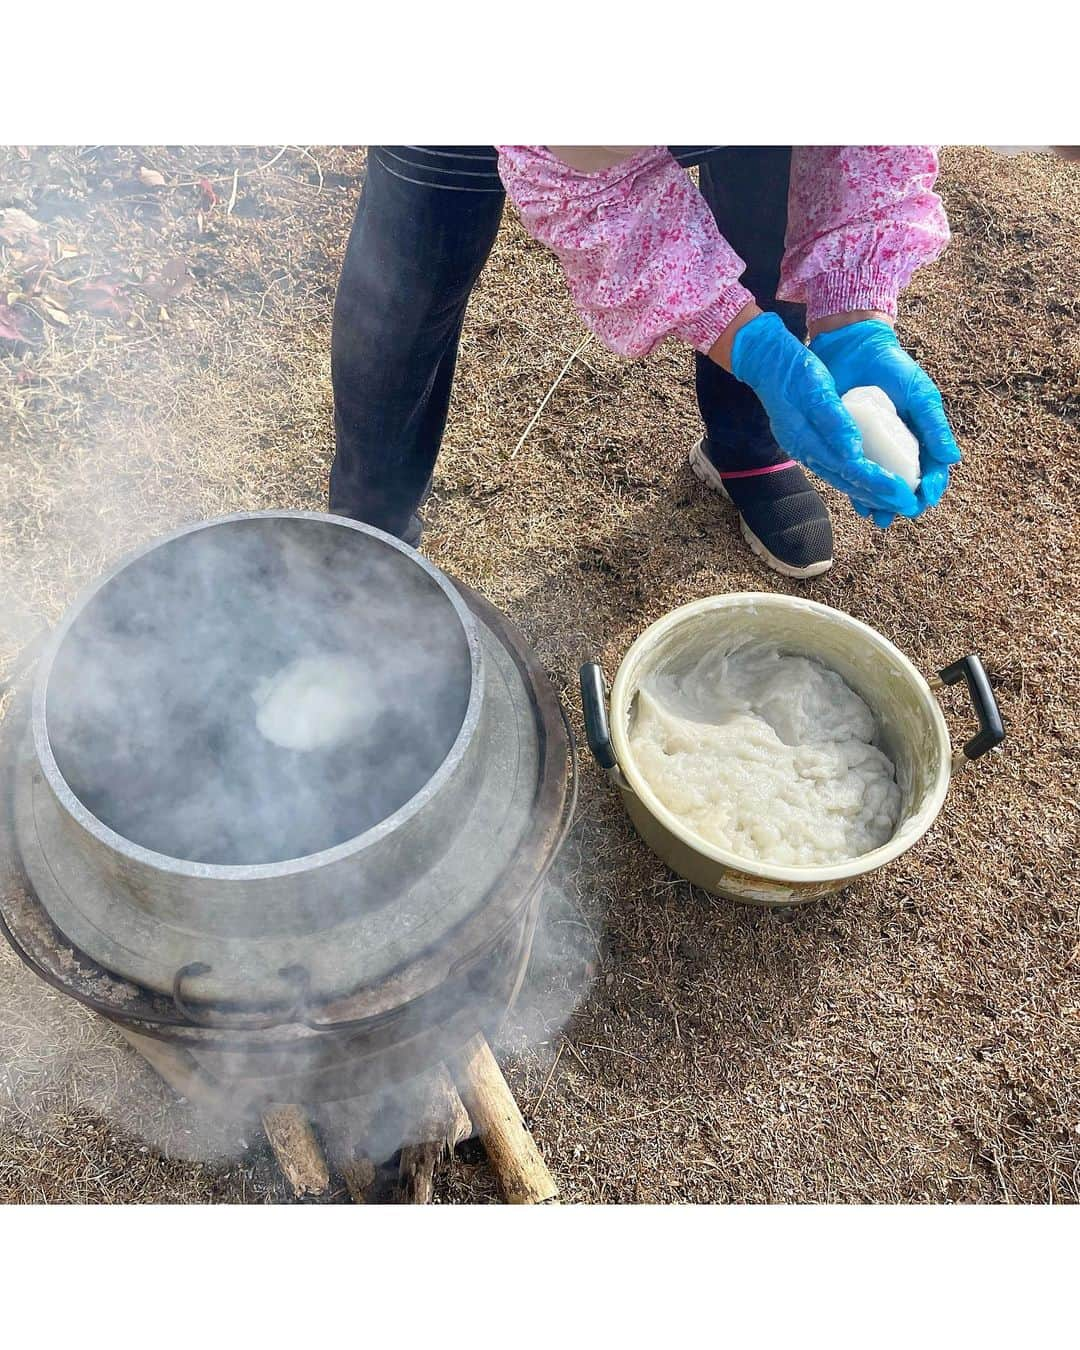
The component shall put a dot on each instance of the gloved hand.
(869, 352)
(808, 419)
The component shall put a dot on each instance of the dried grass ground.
(914, 1040)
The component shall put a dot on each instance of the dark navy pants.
(424, 227)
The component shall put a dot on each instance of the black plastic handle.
(594, 706)
(991, 729)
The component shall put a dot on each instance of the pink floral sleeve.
(641, 252)
(861, 219)
(644, 259)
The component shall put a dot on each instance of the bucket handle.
(991, 731)
(597, 729)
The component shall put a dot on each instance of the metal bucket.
(912, 730)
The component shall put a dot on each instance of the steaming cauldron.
(190, 877)
(144, 726)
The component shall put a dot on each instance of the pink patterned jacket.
(645, 261)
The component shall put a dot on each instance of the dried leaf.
(9, 325)
(17, 227)
(53, 313)
(209, 195)
(151, 177)
(172, 281)
(104, 298)
(30, 276)
(108, 306)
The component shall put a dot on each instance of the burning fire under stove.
(303, 916)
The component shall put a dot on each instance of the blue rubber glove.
(869, 352)
(808, 419)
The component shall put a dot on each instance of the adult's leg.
(424, 227)
(746, 188)
(783, 518)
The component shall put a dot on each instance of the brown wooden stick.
(346, 1129)
(417, 1171)
(296, 1149)
(520, 1170)
(359, 1174)
(442, 1125)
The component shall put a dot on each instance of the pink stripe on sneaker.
(753, 473)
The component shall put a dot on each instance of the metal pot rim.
(908, 833)
(289, 866)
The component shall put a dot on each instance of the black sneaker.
(782, 517)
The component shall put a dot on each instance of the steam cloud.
(153, 720)
(152, 706)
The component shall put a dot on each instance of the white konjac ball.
(886, 439)
(312, 703)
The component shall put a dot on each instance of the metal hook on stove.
(297, 975)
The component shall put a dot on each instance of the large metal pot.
(144, 699)
(142, 709)
(320, 975)
(912, 729)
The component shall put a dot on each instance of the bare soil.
(915, 1040)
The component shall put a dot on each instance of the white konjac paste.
(885, 436)
(768, 756)
(312, 703)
